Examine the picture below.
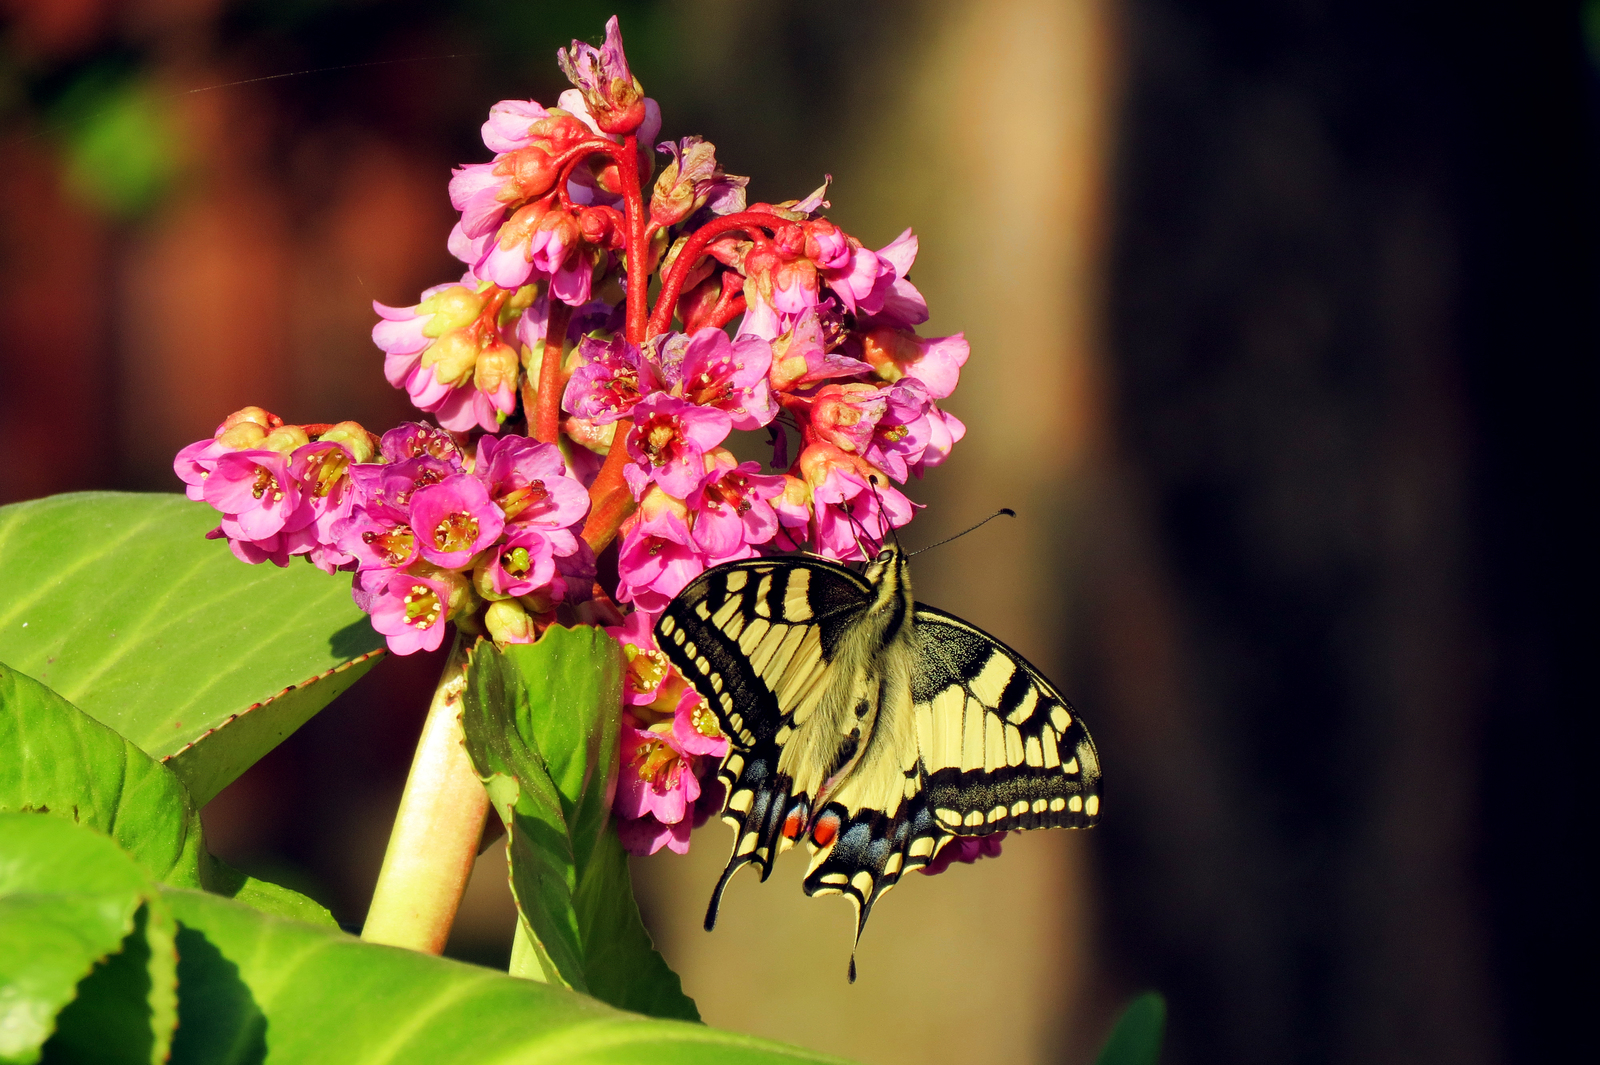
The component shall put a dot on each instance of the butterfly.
(872, 727)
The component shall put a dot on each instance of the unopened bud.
(452, 357)
(453, 308)
(508, 622)
(242, 436)
(595, 223)
(285, 439)
(461, 599)
(496, 369)
(355, 438)
(252, 416)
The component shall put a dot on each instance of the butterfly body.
(872, 727)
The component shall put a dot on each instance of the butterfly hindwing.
(1001, 749)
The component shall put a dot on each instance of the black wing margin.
(1001, 749)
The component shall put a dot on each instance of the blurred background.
(1284, 334)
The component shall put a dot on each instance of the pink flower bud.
(615, 97)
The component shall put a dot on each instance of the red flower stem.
(546, 423)
(672, 284)
(638, 244)
(610, 499)
(436, 830)
(726, 311)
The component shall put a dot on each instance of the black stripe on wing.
(1001, 749)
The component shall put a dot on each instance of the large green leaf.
(59, 760)
(258, 989)
(79, 917)
(541, 722)
(120, 603)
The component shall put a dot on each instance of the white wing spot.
(998, 813)
(1075, 804)
(892, 866)
(1058, 804)
(702, 610)
(762, 590)
(1091, 805)
(741, 801)
(747, 844)
(923, 846)
(950, 817)
(751, 636)
(736, 580)
(835, 878)
(1039, 805)
(994, 743)
(1060, 718)
(1035, 753)
(668, 626)
(974, 819)
(1019, 807)
(862, 882)
(1071, 767)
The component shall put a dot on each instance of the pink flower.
(257, 495)
(710, 370)
(966, 849)
(903, 306)
(522, 562)
(936, 362)
(800, 358)
(410, 440)
(614, 95)
(694, 180)
(846, 415)
(658, 557)
(695, 728)
(454, 520)
(846, 507)
(732, 508)
(611, 381)
(529, 482)
(410, 611)
(646, 835)
(376, 539)
(668, 444)
(647, 670)
(656, 778)
(508, 126)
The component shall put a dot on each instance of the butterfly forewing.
(755, 639)
(1000, 748)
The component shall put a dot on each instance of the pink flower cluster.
(767, 318)
(433, 534)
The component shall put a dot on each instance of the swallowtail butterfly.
(872, 727)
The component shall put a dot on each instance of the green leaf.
(541, 722)
(120, 603)
(61, 761)
(79, 917)
(1136, 1039)
(250, 983)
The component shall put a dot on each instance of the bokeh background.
(1284, 337)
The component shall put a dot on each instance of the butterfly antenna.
(858, 531)
(1007, 511)
(888, 529)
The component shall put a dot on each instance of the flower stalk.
(436, 831)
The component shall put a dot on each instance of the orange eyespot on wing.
(826, 828)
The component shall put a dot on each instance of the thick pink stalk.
(436, 830)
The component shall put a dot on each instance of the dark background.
(1335, 584)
